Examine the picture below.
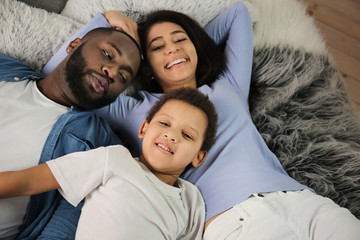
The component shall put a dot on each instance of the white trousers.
(292, 215)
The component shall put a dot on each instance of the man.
(45, 119)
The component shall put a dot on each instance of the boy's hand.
(29, 181)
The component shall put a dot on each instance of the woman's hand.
(121, 22)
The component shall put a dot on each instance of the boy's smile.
(173, 138)
(164, 147)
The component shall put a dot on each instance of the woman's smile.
(172, 55)
(176, 62)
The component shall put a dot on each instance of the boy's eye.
(164, 124)
(187, 136)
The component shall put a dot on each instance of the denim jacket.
(49, 216)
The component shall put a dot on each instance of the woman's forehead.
(162, 28)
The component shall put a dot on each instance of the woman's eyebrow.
(160, 37)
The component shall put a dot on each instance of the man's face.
(100, 69)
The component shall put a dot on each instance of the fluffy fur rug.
(298, 100)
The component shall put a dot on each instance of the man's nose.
(111, 71)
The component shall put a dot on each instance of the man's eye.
(122, 77)
(107, 55)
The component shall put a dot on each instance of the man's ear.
(73, 45)
(142, 130)
(199, 159)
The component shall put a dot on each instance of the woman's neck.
(167, 88)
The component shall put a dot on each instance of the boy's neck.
(166, 178)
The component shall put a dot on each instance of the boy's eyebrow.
(160, 37)
(127, 68)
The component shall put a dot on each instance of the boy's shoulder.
(188, 189)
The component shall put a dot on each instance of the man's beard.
(75, 77)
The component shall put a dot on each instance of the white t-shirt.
(124, 200)
(26, 119)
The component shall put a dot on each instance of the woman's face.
(172, 56)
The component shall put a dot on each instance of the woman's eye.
(156, 48)
(107, 55)
(181, 40)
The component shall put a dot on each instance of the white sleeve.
(79, 173)
(196, 209)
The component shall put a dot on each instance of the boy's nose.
(170, 136)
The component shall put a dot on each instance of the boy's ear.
(142, 130)
(199, 159)
(74, 44)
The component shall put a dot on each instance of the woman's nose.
(172, 48)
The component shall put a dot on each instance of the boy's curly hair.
(195, 98)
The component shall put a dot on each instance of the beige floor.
(339, 24)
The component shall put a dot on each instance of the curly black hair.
(195, 98)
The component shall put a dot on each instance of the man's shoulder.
(12, 70)
(88, 125)
(83, 119)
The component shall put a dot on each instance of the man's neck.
(52, 86)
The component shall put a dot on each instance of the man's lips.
(99, 83)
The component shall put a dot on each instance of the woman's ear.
(199, 159)
(74, 44)
(142, 130)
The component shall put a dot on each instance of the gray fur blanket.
(298, 101)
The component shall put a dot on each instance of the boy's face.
(173, 138)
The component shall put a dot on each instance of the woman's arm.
(121, 22)
(29, 181)
(235, 28)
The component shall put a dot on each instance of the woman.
(246, 191)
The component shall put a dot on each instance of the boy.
(141, 198)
